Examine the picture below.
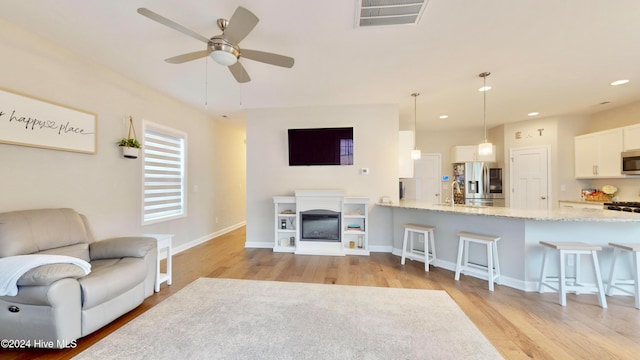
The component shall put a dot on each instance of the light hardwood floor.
(520, 325)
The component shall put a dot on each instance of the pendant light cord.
(484, 100)
(484, 110)
(415, 116)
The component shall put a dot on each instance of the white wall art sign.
(31, 122)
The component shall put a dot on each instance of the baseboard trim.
(258, 245)
(448, 265)
(381, 248)
(203, 239)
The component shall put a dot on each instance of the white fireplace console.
(354, 212)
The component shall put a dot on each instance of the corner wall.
(375, 140)
(104, 186)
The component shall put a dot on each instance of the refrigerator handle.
(485, 179)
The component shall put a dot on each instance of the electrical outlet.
(217, 220)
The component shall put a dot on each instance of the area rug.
(249, 319)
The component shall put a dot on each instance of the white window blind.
(164, 174)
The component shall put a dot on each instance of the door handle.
(543, 197)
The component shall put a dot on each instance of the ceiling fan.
(224, 48)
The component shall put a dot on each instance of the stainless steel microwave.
(630, 161)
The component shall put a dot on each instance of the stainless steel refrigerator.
(480, 183)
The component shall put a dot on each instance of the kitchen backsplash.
(628, 188)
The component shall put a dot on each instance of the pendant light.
(416, 154)
(485, 148)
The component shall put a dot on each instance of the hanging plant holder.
(130, 152)
(130, 146)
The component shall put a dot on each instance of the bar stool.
(410, 230)
(492, 270)
(576, 249)
(634, 250)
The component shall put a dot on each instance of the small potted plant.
(130, 146)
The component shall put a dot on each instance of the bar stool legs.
(634, 250)
(492, 270)
(410, 230)
(571, 249)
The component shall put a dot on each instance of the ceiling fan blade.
(188, 57)
(238, 72)
(240, 25)
(170, 23)
(269, 58)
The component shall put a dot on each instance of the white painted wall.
(269, 174)
(440, 142)
(556, 132)
(106, 187)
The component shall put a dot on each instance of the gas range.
(623, 206)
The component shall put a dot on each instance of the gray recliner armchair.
(57, 302)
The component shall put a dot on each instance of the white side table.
(164, 242)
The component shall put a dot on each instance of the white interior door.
(427, 172)
(530, 178)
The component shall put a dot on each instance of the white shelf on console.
(285, 211)
(355, 215)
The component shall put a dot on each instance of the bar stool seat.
(410, 230)
(571, 284)
(634, 250)
(492, 270)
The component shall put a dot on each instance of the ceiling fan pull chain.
(206, 83)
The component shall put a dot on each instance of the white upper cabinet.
(405, 143)
(469, 153)
(597, 155)
(631, 137)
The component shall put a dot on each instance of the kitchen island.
(521, 230)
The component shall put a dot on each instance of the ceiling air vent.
(389, 12)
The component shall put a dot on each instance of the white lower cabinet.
(580, 205)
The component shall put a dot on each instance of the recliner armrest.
(114, 248)
(50, 273)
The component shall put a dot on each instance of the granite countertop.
(583, 202)
(563, 214)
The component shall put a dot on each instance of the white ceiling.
(554, 57)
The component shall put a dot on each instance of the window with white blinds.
(164, 195)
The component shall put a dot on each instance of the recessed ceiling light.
(534, 113)
(619, 82)
(485, 88)
(444, 116)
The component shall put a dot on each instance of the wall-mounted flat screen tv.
(325, 146)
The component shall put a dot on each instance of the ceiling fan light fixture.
(223, 58)
(223, 52)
